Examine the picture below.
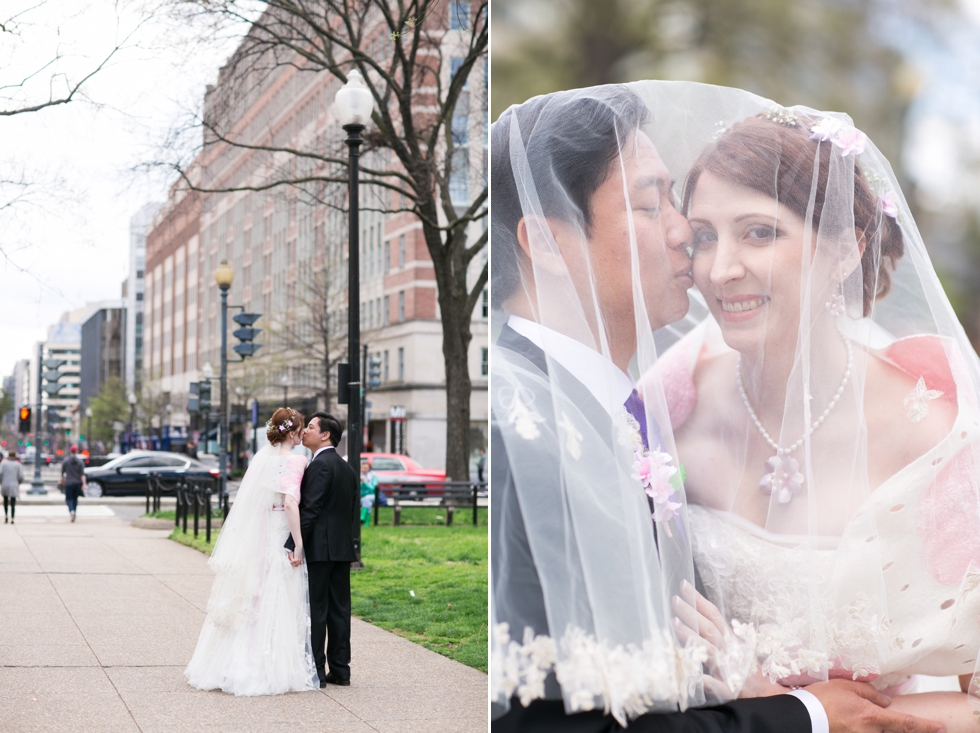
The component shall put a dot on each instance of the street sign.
(396, 412)
(255, 412)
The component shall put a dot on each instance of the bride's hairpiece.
(282, 427)
(781, 116)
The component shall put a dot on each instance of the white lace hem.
(625, 681)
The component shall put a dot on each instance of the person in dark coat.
(11, 476)
(329, 510)
(73, 480)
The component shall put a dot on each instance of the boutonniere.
(660, 481)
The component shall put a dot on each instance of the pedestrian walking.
(73, 479)
(11, 475)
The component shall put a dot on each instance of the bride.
(256, 637)
(826, 412)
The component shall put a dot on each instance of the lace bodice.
(842, 625)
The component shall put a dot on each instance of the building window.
(387, 312)
(484, 364)
(401, 306)
(486, 303)
(378, 309)
(384, 366)
(401, 363)
(455, 64)
(387, 255)
(460, 175)
(371, 314)
(459, 16)
(139, 296)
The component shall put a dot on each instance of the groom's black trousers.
(330, 616)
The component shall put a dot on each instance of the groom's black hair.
(567, 137)
(329, 422)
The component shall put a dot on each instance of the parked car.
(128, 474)
(394, 467)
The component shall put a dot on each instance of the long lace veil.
(589, 537)
(237, 558)
(823, 395)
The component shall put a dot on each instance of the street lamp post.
(207, 371)
(354, 105)
(88, 429)
(224, 276)
(132, 416)
(37, 485)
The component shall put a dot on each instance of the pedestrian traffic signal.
(374, 371)
(246, 334)
(25, 419)
(193, 405)
(68, 433)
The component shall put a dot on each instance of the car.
(128, 474)
(395, 467)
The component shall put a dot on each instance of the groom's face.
(662, 238)
(311, 435)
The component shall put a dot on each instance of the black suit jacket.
(520, 582)
(329, 507)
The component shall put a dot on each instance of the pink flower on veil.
(851, 140)
(889, 204)
(826, 129)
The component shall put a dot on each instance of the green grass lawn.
(446, 569)
(420, 516)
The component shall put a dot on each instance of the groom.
(329, 508)
(584, 164)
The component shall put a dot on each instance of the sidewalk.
(98, 620)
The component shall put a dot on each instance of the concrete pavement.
(98, 620)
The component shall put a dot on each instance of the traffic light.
(68, 433)
(374, 371)
(25, 419)
(246, 334)
(204, 396)
(193, 405)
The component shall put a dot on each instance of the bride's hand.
(296, 556)
(697, 616)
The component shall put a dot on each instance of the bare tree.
(18, 94)
(398, 48)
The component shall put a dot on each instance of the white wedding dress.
(256, 637)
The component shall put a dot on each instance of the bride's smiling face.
(748, 256)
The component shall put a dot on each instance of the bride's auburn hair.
(284, 421)
(777, 159)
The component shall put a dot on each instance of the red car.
(391, 467)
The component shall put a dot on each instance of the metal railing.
(193, 494)
(449, 494)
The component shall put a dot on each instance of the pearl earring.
(835, 305)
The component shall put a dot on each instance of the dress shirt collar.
(320, 450)
(607, 382)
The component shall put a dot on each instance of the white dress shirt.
(612, 387)
(609, 384)
(320, 450)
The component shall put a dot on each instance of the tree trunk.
(456, 337)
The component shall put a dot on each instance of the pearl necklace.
(783, 476)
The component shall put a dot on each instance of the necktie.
(634, 406)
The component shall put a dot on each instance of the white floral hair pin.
(781, 117)
(282, 428)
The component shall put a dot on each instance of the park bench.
(448, 495)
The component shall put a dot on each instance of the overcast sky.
(69, 243)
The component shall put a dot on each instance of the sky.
(67, 241)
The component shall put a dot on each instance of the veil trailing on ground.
(237, 558)
(823, 396)
(590, 541)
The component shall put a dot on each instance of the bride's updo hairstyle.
(776, 158)
(284, 421)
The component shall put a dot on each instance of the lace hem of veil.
(625, 681)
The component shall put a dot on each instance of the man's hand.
(857, 707)
(295, 557)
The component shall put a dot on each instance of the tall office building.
(133, 341)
